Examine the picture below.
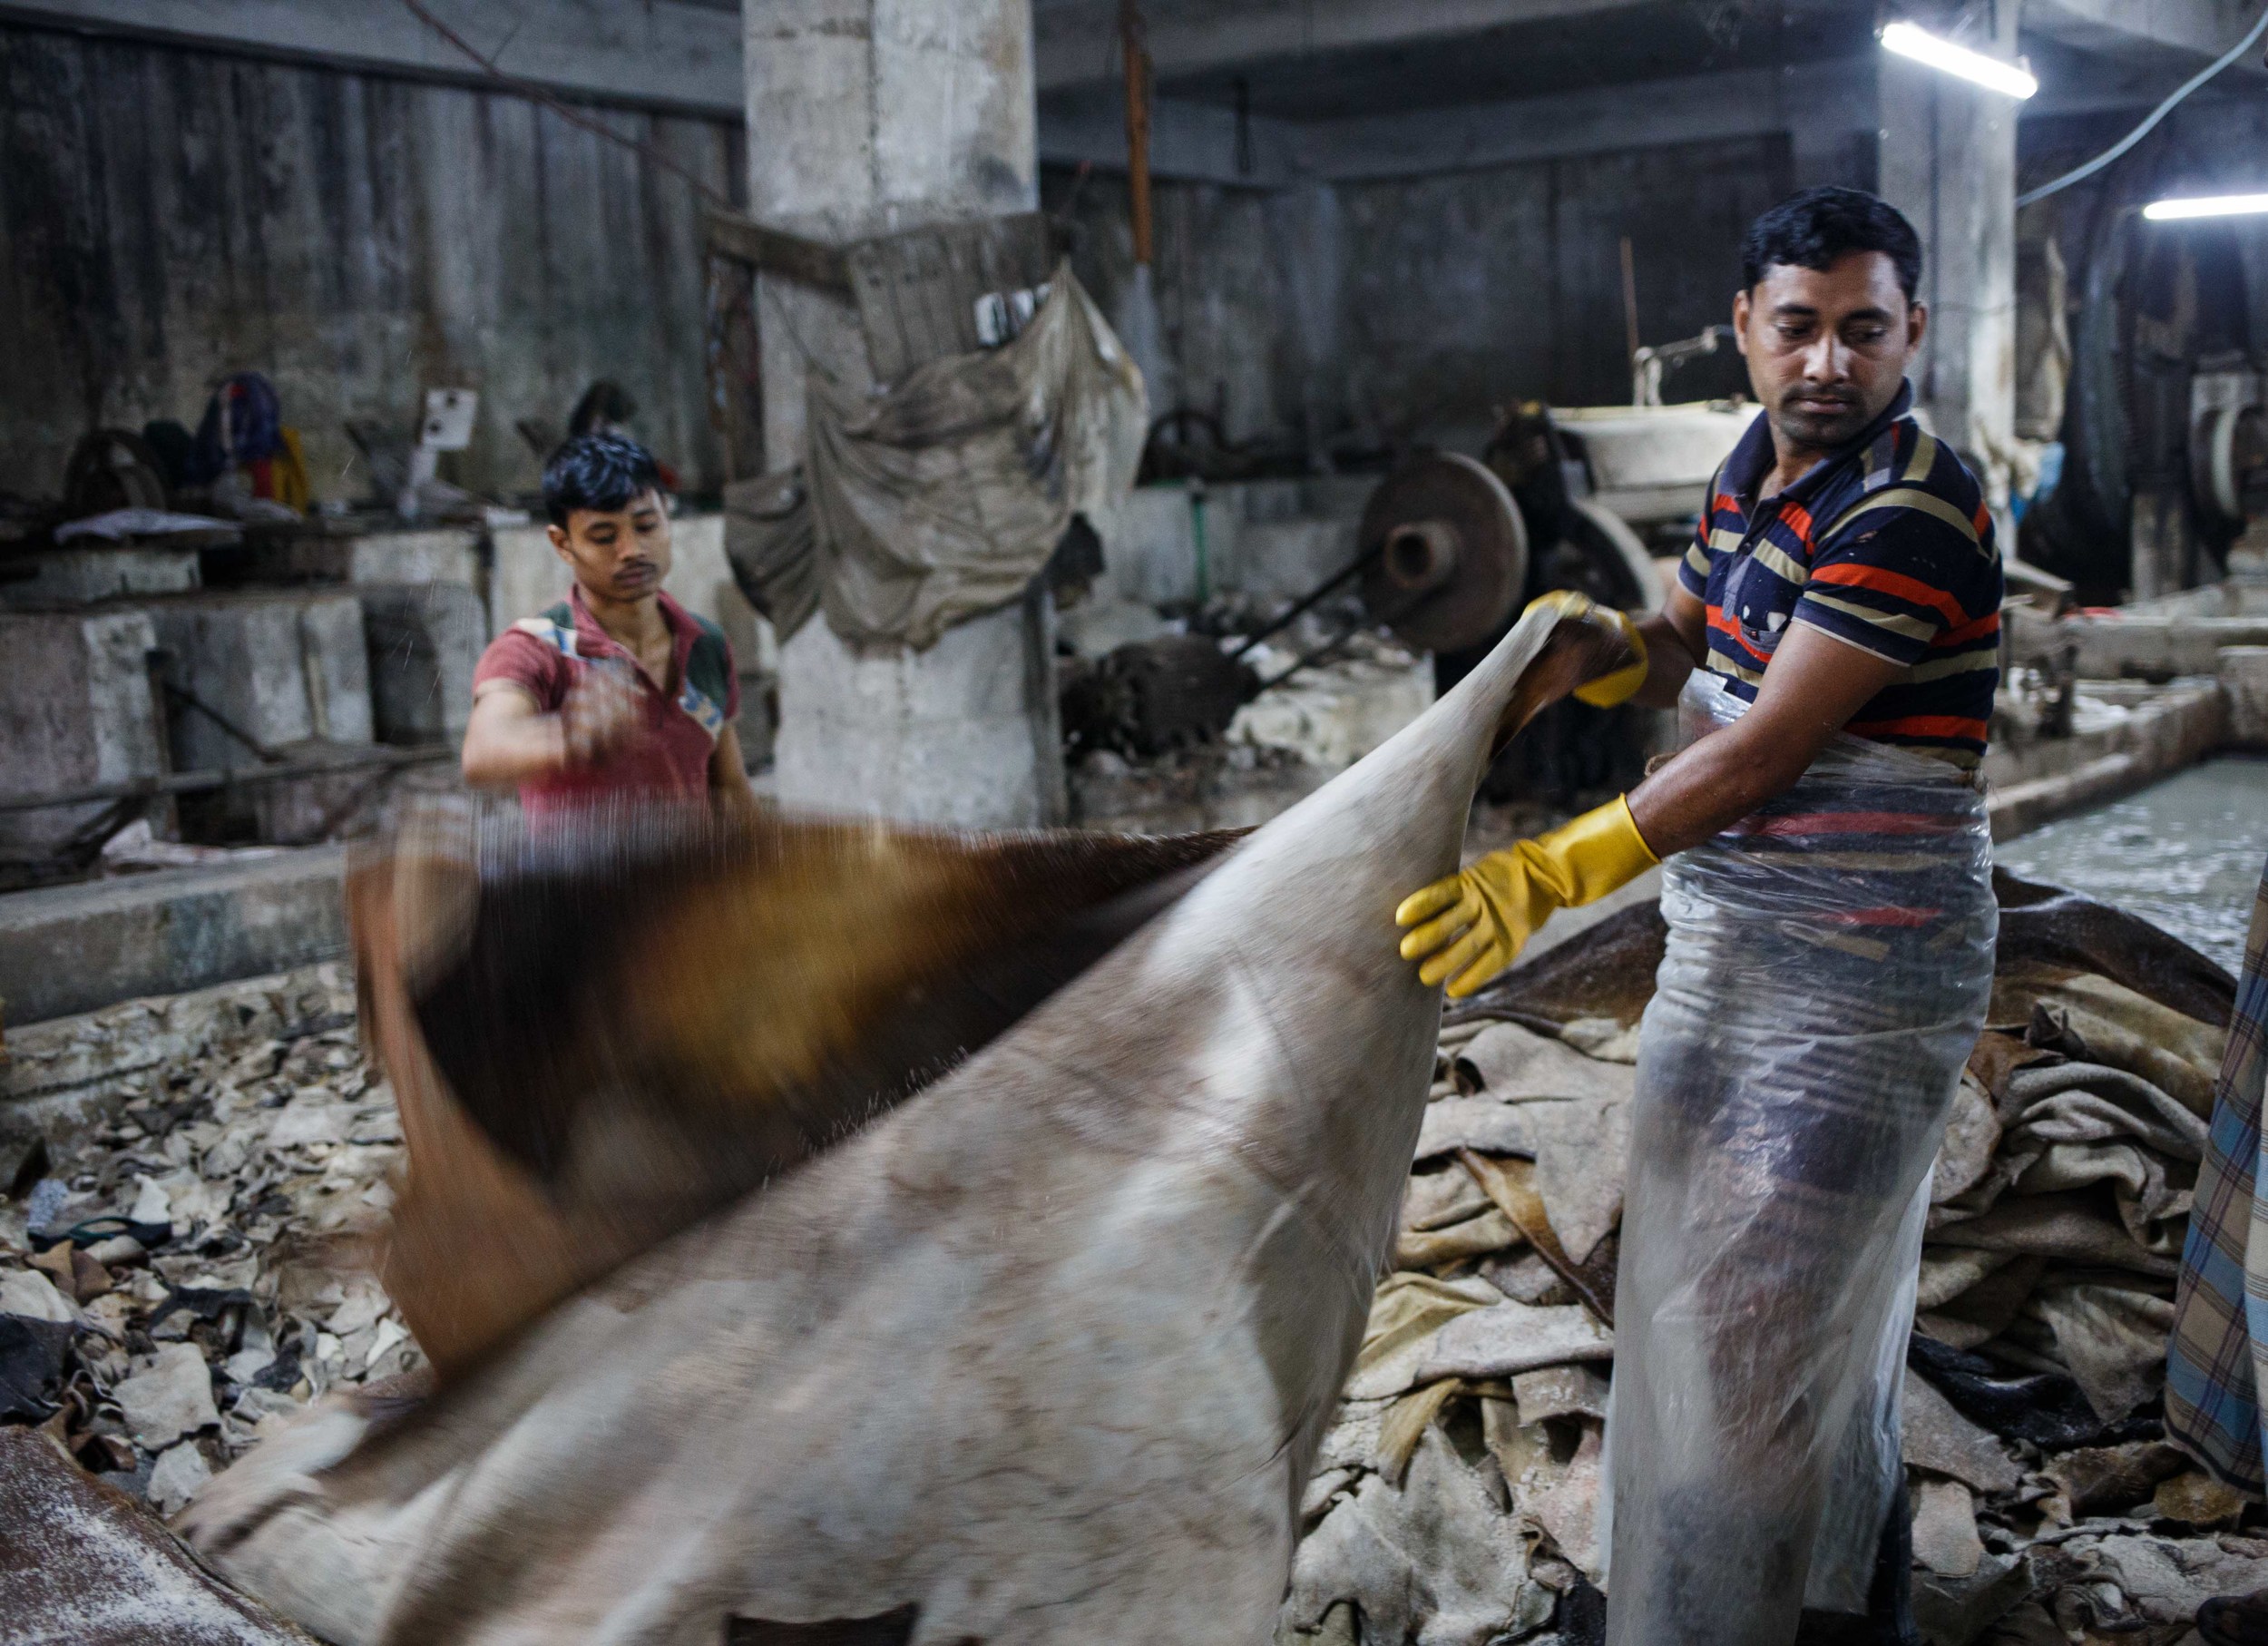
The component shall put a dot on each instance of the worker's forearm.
(511, 752)
(1712, 785)
(730, 794)
(1668, 661)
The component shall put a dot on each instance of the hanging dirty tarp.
(943, 499)
(770, 546)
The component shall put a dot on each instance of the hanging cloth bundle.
(1828, 969)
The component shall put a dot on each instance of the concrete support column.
(867, 117)
(1947, 160)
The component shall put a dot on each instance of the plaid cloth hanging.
(2217, 1363)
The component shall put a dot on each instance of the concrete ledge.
(74, 948)
(2151, 648)
(2174, 728)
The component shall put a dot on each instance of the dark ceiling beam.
(1197, 142)
(1188, 142)
(2171, 29)
(1073, 43)
(1743, 102)
(670, 57)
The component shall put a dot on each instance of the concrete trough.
(423, 640)
(67, 949)
(77, 711)
(282, 668)
(2168, 681)
(2147, 733)
(80, 577)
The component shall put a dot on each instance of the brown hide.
(599, 1034)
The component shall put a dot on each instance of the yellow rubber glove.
(1477, 922)
(1608, 690)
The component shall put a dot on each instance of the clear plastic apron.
(1828, 969)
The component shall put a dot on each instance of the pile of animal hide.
(1455, 1499)
(196, 1263)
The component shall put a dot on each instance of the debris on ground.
(179, 1276)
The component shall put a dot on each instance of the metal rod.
(198, 782)
(1134, 46)
(1401, 609)
(190, 699)
(1362, 563)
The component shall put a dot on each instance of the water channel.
(2185, 854)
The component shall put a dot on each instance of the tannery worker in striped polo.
(1831, 648)
(617, 690)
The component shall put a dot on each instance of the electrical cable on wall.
(2160, 113)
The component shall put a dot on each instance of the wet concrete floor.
(2185, 854)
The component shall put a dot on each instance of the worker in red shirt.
(618, 689)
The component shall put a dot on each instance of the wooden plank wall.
(169, 216)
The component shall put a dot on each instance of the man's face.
(1827, 349)
(621, 553)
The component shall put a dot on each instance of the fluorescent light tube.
(1991, 72)
(2206, 205)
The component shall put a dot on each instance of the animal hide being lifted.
(1108, 1228)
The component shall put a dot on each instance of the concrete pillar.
(1947, 160)
(867, 117)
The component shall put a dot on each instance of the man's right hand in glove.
(1468, 927)
(1475, 923)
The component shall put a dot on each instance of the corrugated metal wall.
(169, 216)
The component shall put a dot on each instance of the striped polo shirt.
(1887, 545)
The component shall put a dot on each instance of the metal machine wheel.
(1445, 553)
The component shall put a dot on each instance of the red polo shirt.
(668, 757)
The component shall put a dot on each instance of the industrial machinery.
(1441, 563)
(2162, 427)
(1449, 551)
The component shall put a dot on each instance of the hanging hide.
(1113, 1268)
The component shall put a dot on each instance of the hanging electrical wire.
(2157, 114)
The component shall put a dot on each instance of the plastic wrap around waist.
(1874, 852)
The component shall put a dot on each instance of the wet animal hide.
(2047, 935)
(83, 1562)
(1113, 1267)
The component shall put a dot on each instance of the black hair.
(1812, 229)
(604, 472)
